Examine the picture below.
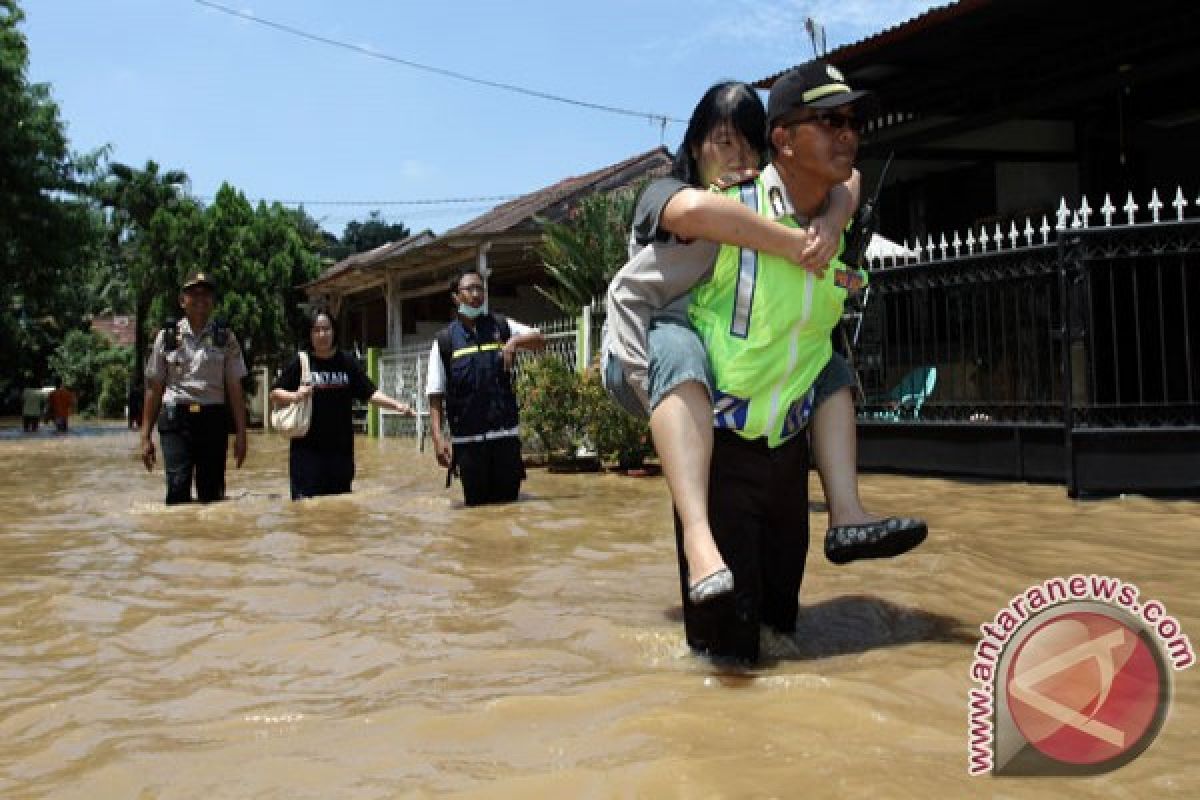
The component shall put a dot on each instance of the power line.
(423, 202)
(660, 119)
(430, 202)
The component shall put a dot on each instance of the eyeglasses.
(833, 120)
(473, 288)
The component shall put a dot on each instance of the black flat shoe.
(884, 539)
(711, 586)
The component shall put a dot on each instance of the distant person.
(136, 402)
(59, 404)
(33, 408)
(194, 374)
(322, 461)
(469, 384)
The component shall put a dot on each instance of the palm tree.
(582, 254)
(135, 196)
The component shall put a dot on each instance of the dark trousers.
(30, 424)
(491, 471)
(314, 473)
(194, 444)
(758, 510)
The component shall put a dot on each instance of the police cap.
(816, 84)
(199, 279)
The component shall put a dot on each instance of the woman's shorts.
(836, 375)
(676, 356)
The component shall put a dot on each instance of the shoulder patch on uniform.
(730, 179)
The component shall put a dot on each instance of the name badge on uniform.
(194, 408)
(849, 279)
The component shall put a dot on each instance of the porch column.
(482, 263)
(395, 312)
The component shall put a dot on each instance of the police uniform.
(194, 422)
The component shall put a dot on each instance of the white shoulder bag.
(292, 421)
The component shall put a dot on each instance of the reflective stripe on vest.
(478, 348)
(766, 325)
(743, 300)
(486, 437)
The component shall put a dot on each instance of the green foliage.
(85, 360)
(617, 435)
(114, 389)
(257, 257)
(46, 225)
(567, 410)
(359, 237)
(582, 254)
(549, 397)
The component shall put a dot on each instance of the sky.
(282, 117)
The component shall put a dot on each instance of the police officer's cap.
(816, 84)
(199, 279)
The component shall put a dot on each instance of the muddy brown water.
(394, 644)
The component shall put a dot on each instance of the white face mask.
(471, 312)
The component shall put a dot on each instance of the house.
(397, 293)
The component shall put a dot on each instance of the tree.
(143, 241)
(359, 237)
(47, 229)
(258, 256)
(93, 367)
(582, 254)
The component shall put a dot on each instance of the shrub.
(114, 393)
(81, 360)
(618, 435)
(548, 391)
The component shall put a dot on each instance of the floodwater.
(394, 644)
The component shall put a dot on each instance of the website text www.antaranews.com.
(1034, 600)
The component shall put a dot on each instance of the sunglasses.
(833, 120)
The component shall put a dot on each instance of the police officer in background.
(195, 367)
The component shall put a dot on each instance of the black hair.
(457, 277)
(321, 311)
(730, 101)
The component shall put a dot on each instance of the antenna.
(816, 35)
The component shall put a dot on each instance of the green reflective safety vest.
(766, 325)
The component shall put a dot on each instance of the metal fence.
(1068, 354)
(974, 329)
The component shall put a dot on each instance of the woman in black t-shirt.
(322, 461)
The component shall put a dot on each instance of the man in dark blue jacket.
(469, 385)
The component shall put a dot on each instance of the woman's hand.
(823, 240)
(303, 393)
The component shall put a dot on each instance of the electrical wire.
(660, 119)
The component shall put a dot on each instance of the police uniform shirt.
(197, 371)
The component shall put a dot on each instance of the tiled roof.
(117, 328)
(516, 217)
(360, 261)
(552, 200)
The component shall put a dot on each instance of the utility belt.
(178, 417)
